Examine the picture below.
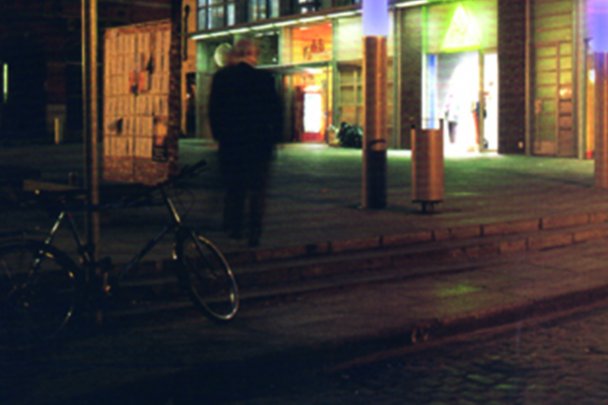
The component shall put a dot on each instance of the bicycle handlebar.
(53, 192)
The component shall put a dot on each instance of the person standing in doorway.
(451, 116)
(245, 115)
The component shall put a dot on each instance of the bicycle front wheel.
(208, 278)
(38, 292)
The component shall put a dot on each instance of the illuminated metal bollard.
(375, 31)
(374, 133)
(427, 167)
(597, 33)
(601, 120)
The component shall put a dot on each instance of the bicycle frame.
(174, 224)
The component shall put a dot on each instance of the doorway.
(461, 95)
(553, 130)
(310, 105)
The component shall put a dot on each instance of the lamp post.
(89, 122)
(375, 31)
(597, 24)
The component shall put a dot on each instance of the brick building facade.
(40, 60)
(509, 76)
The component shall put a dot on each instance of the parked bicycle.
(42, 287)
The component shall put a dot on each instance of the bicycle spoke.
(210, 281)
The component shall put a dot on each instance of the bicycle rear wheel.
(207, 277)
(38, 292)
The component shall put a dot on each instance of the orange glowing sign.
(312, 43)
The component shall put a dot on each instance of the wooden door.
(553, 103)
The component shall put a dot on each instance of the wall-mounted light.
(412, 4)
(343, 14)
(285, 23)
(262, 27)
(239, 31)
(306, 20)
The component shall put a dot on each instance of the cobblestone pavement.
(189, 360)
(560, 362)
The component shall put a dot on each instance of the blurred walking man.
(245, 114)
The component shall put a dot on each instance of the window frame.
(307, 6)
(212, 14)
(262, 9)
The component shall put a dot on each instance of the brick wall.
(411, 74)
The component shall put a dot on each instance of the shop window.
(215, 13)
(262, 9)
(312, 43)
(340, 3)
(307, 6)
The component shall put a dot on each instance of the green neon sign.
(463, 33)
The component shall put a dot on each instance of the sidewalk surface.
(544, 214)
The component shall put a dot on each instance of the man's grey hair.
(245, 48)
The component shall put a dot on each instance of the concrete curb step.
(159, 291)
(282, 271)
(465, 232)
(540, 233)
(345, 352)
(138, 298)
(413, 336)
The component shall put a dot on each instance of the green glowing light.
(458, 289)
(463, 34)
(5, 82)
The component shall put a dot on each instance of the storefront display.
(460, 74)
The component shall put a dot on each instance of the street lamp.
(375, 31)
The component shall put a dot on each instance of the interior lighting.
(239, 30)
(342, 14)
(197, 37)
(411, 4)
(311, 19)
(285, 23)
(463, 33)
(262, 27)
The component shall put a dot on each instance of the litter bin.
(427, 167)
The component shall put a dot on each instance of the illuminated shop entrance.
(460, 79)
(308, 82)
(310, 94)
(462, 95)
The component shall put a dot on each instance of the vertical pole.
(481, 106)
(175, 80)
(375, 31)
(90, 120)
(601, 120)
(374, 143)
